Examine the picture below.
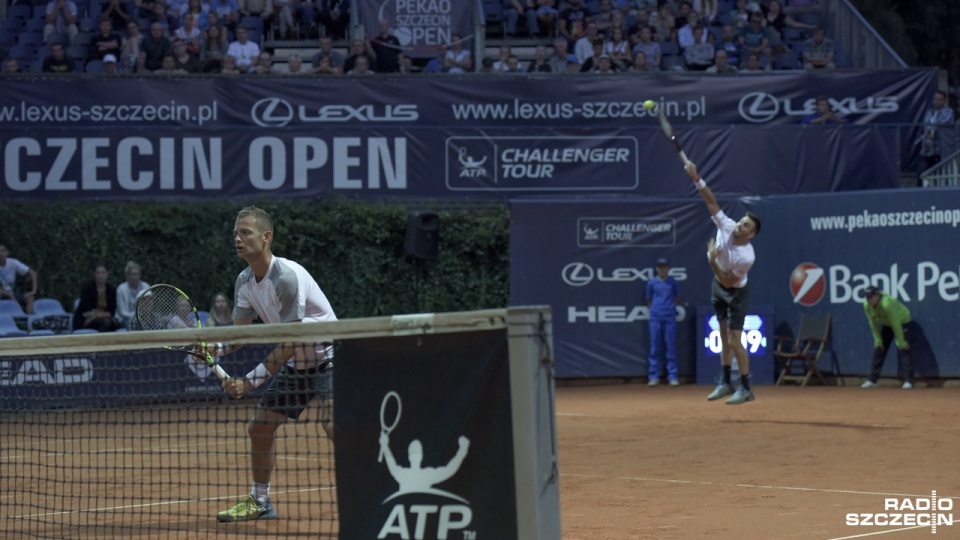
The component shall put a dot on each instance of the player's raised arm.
(705, 192)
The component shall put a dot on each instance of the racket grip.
(684, 158)
(380, 456)
(220, 372)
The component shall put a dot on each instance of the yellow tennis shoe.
(248, 509)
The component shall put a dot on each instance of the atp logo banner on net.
(424, 438)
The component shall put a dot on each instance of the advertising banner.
(420, 26)
(431, 456)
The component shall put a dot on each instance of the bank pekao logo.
(808, 284)
(419, 480)
(470, 167)
(929, 511)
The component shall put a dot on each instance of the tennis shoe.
(907, 385)
(674, 382)
(721, 391)
(868, 384)
(248, 509)
(653, 382)
(741, 396)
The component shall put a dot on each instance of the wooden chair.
(800, 355)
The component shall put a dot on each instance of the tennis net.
(114, 436)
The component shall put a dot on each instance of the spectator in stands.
(263, 65)
(284, 18)
(513, 9)
(939, 117)
(818, 51)
(547, 14)
(221, 314)
(294, 66)
(558, 60)
(617, 20)
(777, 20)
(720, 64)
(326, 49)
(189, 34)
(889, 323)
(406, 65)
(227, 13)
(175, 8)
(739, 16)
(358, 48)
(110, 65)
(11, 67)
(257, 8)
(617, 47)
(324, 66)
(541, 61)
(334, 15)
(106, 42)
(573, 67)
(604, 17)
(753, 37)
(486, 66)
(228, 66)
(116, 11)
(729, 43)
(98, 303)
(590, 64)
(167, 21)
(699, 55)
(583, 47)
(462, 59)
(130, 48)
(168, 67)
(183, 60)
(685, 37)
(243, 51)
(361, 66)
(58, 61)
(709, 11)
(512, 65)
(649, 47)
(605, 65)
(385, 50)
(10, 268)
(438, 64)
(214, 46)
(824, 114)
(144, 8)
(803, 6)
(753, 65)
(664, 24)
(61, 17)
(640, 64)
(682, 12)
(501, 63)
(642, 20)
(153, 48)
(573, 21)
(127, 294)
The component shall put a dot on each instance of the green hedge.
(354, 250)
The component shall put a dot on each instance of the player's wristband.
(700, 183)
(258, 375)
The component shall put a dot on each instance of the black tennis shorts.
(291, 390)
(731, 304)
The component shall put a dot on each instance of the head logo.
(758, 107)
(577, 274)
(272, 112)
(808, 284)
(419, 480)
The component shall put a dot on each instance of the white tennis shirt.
(287, 293)
(733, 258)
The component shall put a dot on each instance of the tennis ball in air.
(649, 104)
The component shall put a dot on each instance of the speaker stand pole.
(416, 284)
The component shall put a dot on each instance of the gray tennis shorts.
(731, 304)
(291, 390)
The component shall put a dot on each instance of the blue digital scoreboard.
(757, 339)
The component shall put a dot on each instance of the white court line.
(583, 415)
(148, 505)
(864, 535)
(759, 486)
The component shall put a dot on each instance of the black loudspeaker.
(423, 232)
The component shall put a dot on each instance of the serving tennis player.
(730, 255)
(278, 291)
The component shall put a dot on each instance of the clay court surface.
(635, 462)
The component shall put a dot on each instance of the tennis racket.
(671, 136)
(165, 307)
(384, 428)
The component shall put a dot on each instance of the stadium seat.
(669, 48)
(59, 37)
(204, 315)
(11, 24)
(42, 333)
(34, 25)
(35, 66)
(82, 39)
(800, 355)
(94, 66)
(22, 53)
(48, 306)
(7, 39)
(8, 327)
(89, 24)
(252, 24)
(40, 12)
(84, 331)
(787, 60)
(11, 308)
(22, 12)
(33, 39)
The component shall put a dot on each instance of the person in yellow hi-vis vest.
(889, 322)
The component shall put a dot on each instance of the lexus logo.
(807, 284)
(758, 107)
(272, 112)
(577, 274)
